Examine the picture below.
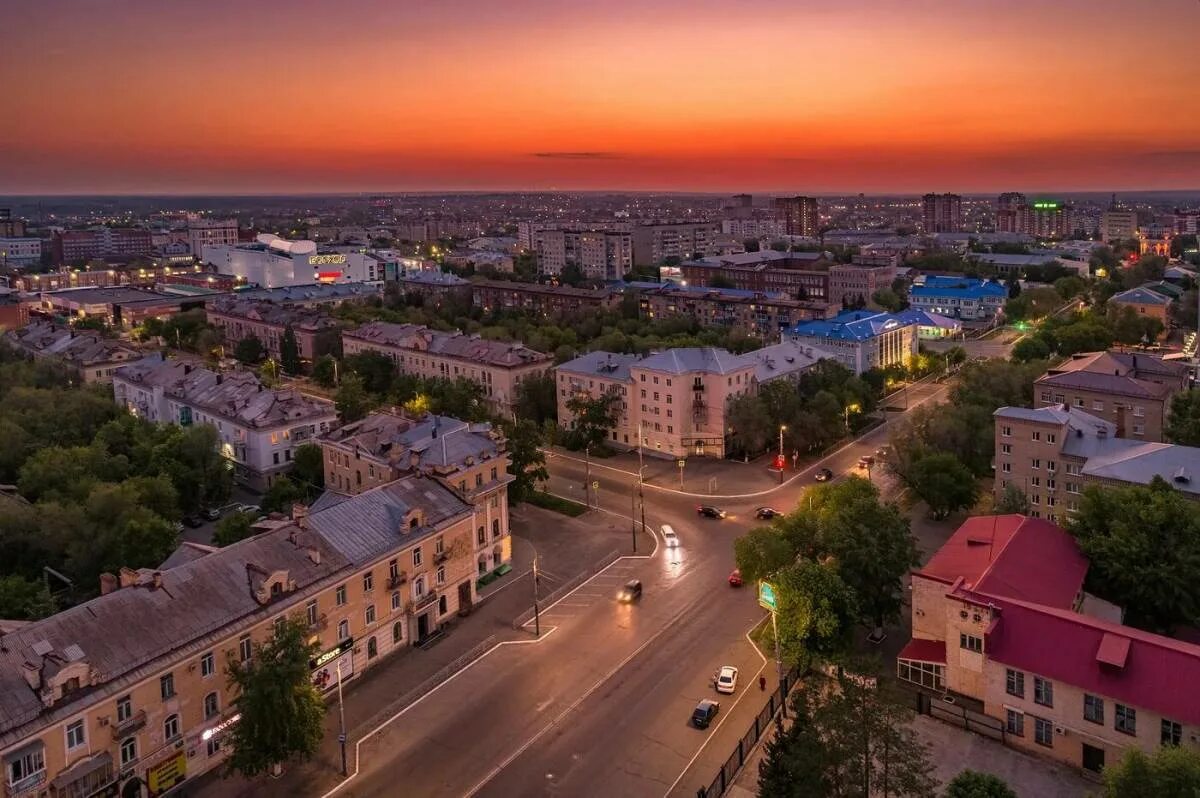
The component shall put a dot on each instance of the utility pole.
(537, 618)
(341, 719)
(587, 479)
(633, 515)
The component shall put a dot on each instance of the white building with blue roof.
(958, 297)
(861, 339)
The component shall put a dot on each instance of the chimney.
(156, 580)
(220, 379)
(300, 514)
(127, 577)
(109, 583)
(1120, 433)
(187, 368)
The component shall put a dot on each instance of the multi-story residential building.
(469, 459)
(1106, 384)
(436, 287)
(273, 262)
(964, 298)
(861, 339)
(1187, 221)
(117, 243)
(14, 313)
(18, 252)
(675, 402)
(1146, 302)
(128, 692)
(497, 367)
(1118, 224)
(1041, 218)
(259, 427)
(600, 252)
(316, 333)
(654, 242)
(10, 227)
(434, 229)
(799, 275)
(120, 307)
(1000, 622)
(543, 300)
(315, 295)
(92, 355)
(204, 232)
(1008, 212)
(756, 314)
(942, 213)
(797, 216)
(1051, 453)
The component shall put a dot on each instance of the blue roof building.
(861, 339)
(956, 297)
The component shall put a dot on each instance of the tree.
(1168, 771)
(281, 495)
(351, 399)
(537, 398)
(527, 462)
(1183, 425)
(249, 350)
(750, 425)
(944, 483)
(376, 370)
(289, 351)
(1124, 532)
(232, 528)
(572, 275)
(325, 371)
(594, 418)
(281, 709)
(974, 784)
(308, 468)
(24, 599)
(762, 552)
(1012, 501)
(889, 300)
(795, 760)
(1031, 347)
(815, 612)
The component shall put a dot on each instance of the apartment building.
(88, 352)
(654, 242)
(436, 287)
(1001, 623)
(10, 227)
(469, 459)
(799, 275)
(20, 251)
(259, 427)
(313, 295)
(495, 366)
(600, 252)
(127, 694)
(1146, 302)
(1104, 383)
(941, 213)
(1008, 212)
(316, 333)
(861, 339)
(756, 314)
(117, 243)
(965, 298)
(1052, 453)
(1117, 225)
(797, 216)
(674, 402)
(204, 232)
(549, 301)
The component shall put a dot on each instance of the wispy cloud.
(579, 156)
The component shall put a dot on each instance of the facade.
(95, 357)
(861, 339)
(315, 295)
(543, 300)
(1105, 384)
(759, 315)
(675, 402)
(127, 695)
(654, 242)
(1118, 225)
(1052, 453)
(753, 227)
(10, 227)
(14, 313)
(1008, 212)
(20, 252)
(963, 298)
(798, 275)
(316, 333)
(495, 366)
(797, 216)
(1041, 218)
(1000, 621)
(259, 427)
(1146, 302)
(941, 213)
(118, 307)
(116, 243)
(274, 262)
(601, 253)
(203, 232)
(931, 326)
(141, 277)
(436, 286)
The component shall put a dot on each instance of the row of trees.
(1089, 330)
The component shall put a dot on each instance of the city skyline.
(134, 98)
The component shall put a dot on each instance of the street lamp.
(781, 459)
(852, 407)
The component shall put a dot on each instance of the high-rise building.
(103, 242)
(654, 242)
(942, 213)
(1008, 211)
(798, 216)
(1118, 223)
(739, 206)
(210, 232)
(1046, 219)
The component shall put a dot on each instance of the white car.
(727, 679)
(669, 536)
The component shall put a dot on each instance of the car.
(866, 461)
(708, 511)
(766, 513)
(669, 536)
(735, 577)
(704, 713)
(727, 679)
(824, 475)
(253, 509)
(211, 514)
(632, 591)
(882, 452)
(192, 521)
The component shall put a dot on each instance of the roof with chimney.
(428, 442)
(1118, 373)
(851, 325)
(80, 348)
(610, 365)
(457, 345)
(276, 315)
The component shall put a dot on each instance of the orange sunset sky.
(257, 96)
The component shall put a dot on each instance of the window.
(419, 587)
(76, 735)
(128, 751)
(1093, 708)
(245, 648)
(416, 556)
(481, 536)
(212, 706)
(166, 686)
(343, 630)
(1036, 435)
(1045, 396)
(310, 612)
(1035, 463)
(478, 479)
(1079, 401)
(1006, 431)
(339, 595)
(26, 765)
(1097, 405)
(1051, 437)
(970, 642)
(1126, 719)
(397, 631)
(1043, 732)
(1016, 723)
(1043, 691)
(171, 727)
(1172, 732)
(1051, 465)
(495, 528)
(1035, 482)
(368, 581)
(1139, 411)
(1006, 448)
(395, 601)
(214, 746)
(207, 667)
(443, 605)
(1006, 468)
(439, 546)
(1014, 683)
(124, 708)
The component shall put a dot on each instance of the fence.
(762, 721)
(566, 587)
(961, 716)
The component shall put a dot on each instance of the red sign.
(328, 277)
(780, 461)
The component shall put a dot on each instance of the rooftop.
(707, 359)
(78, 347)
(106, 296)
(1118, 373)
(850, 325)
(1141, 295)
(433, 277)
(432, 442)
(610, 365)
(310, 293)
(456, 345)
(296, 317)
(537, 288)
(961, 287)
(923, 318)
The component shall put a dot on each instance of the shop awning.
(919, 650)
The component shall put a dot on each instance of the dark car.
(824, 475)
(704, 713)
(211, 514)
(709, 511)
(766, 513)
(192, 521)
(632, 591)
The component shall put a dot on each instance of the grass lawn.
(548, 502)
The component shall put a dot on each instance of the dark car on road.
(708, 511)
(632, 591)
(766, 513)
(824, 475)
(704, 713)
(192, 521)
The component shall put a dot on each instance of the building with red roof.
(997, 619)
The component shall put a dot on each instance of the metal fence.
(961, 716)
(737, 759)
(608, 559)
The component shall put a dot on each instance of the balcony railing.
(397, 580)
(130, 725)
(425, 600)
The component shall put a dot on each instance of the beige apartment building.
(760, 315)
(95, 357)
(238, 319)
(495, 366)
(674, 403)
(1000, 623)
(1104, 383)
(127, 694)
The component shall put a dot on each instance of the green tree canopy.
(594, 418)
(232, 528)
(944, 483)
(1012, 501)
(351, 399)
(249, 350)
(537, 398)
(974, 784)
(1183, 424)
(527, 462)
(289, 351)
(1167, 772)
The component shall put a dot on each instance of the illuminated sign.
(1046, 206)
(326, 260)
(328, 277)
(332, 654)
(166, 774)
(208, 734)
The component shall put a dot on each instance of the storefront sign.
(328, 277)
(329, 664)
(326, 260)
(167, 774)
(208, 734)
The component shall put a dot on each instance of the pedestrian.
(762, 683)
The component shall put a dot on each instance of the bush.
(549, 501)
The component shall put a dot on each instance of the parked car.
(735, 578)
(824, 475)
(192, 521)
(727, 679)
(632, 591)
(708, 511)
(669, 536)
(211, 513)
(704, 713)
(253, 509)
(766, 513)
(866, 461)
(882, 452)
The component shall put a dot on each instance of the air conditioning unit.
(1060, 729)
(977, 617)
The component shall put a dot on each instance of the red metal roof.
(924, 651)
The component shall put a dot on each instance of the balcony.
(130, 725)
(425, 600)
(698, 386)
(441, 557)
(397, 580)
